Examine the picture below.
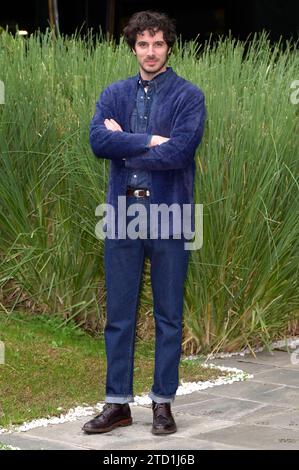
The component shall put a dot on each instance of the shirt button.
(145, 117)
(135, 176)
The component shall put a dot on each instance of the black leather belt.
(138, 192)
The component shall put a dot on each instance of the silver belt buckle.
(137, 192)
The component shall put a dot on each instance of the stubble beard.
(153, 71)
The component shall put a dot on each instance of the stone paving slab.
(138, 435)
(196, 398)
(25, 442)
(167, 443)
(175, 443)
(279, 420)
(261, 392)
(249, 389)
(252, 390)
(279, 376)
(255, 437)
(260, 413)
(277, 359)
(284, 396)
(223, 408)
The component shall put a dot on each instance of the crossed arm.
(108, 140)
(112, 125)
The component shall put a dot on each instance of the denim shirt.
(139, 123)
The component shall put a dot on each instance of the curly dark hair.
(151, 21)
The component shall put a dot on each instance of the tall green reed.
(242, 286)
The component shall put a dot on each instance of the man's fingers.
(112, 125)
(108, 124)
(117, 126)
(158, 140)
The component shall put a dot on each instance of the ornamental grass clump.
(242, 285)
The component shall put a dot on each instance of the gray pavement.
(260, 413)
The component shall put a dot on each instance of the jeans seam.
(134, 329)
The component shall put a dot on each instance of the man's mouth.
(151, 61)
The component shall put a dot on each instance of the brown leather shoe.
(112, 416)
(163, 421)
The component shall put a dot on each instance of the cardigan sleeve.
(113, 145)
(185, 137)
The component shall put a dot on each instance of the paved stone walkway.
(260, 413)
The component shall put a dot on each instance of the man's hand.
(112, 125)
(157, 140)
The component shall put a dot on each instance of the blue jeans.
(124, 261)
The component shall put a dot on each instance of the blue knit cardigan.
(178, 113)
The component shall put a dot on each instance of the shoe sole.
(124, 422)
(163, 431)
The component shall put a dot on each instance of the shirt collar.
(158, 81)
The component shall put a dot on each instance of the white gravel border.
(235, 375)
(185, 388)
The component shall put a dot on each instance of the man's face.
(151, 53)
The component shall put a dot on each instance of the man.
(149, 127)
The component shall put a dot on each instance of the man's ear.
(169, 50)
(133, 50)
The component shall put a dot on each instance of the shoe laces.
(156, 409)
(106, 408)
(160, 405)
